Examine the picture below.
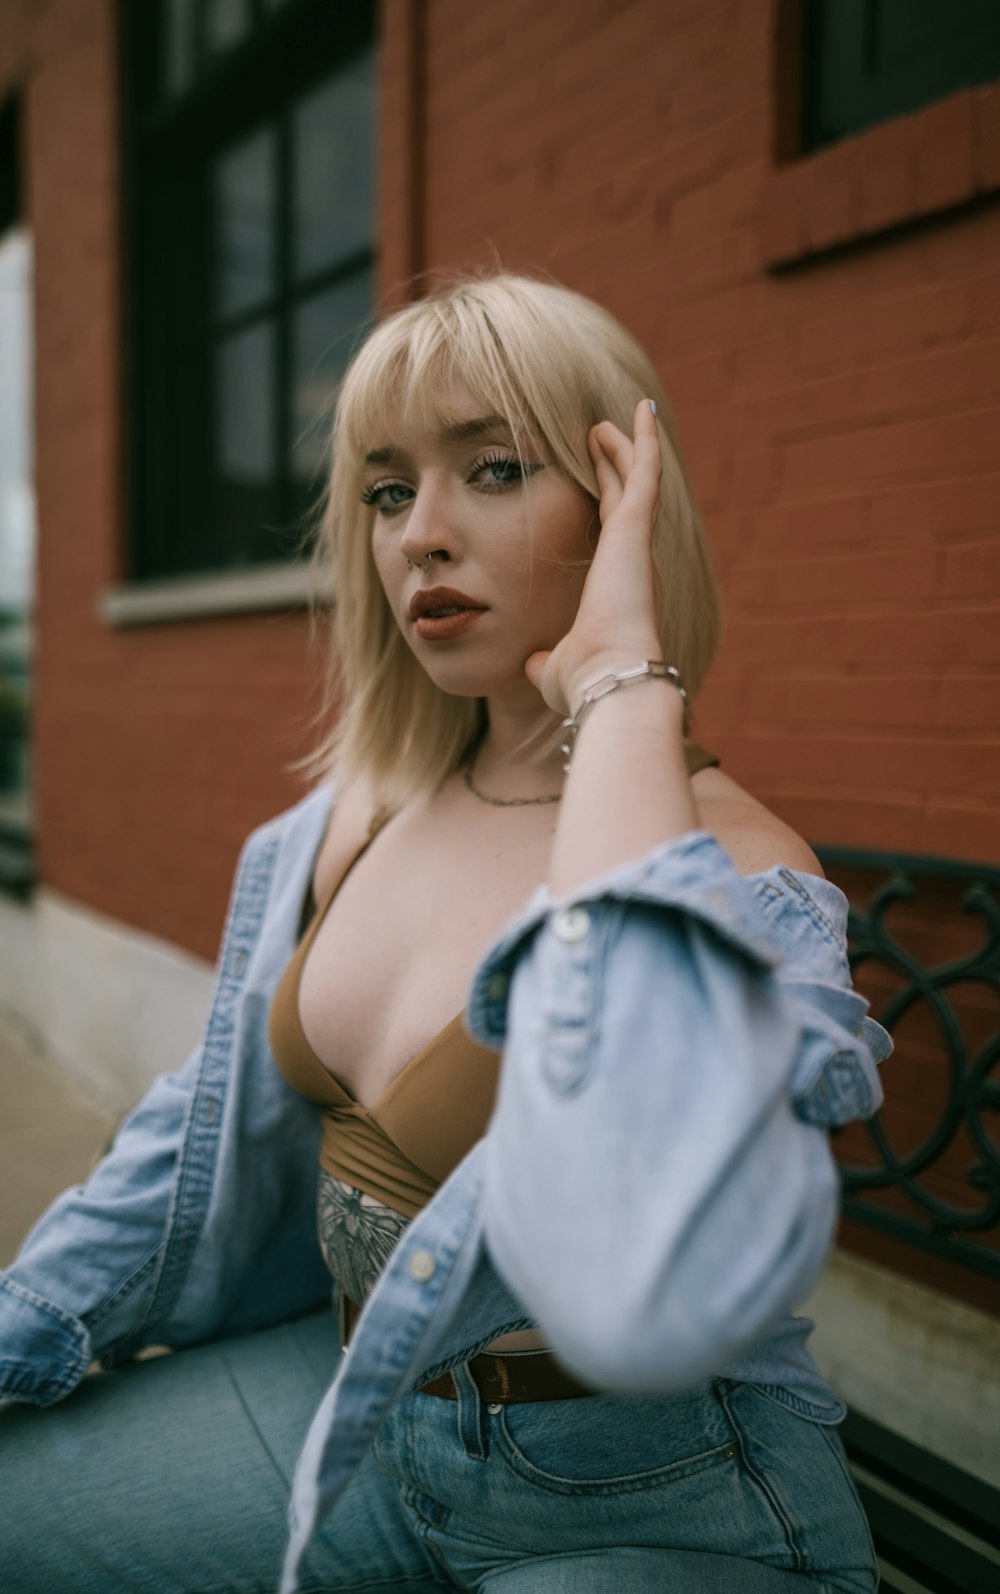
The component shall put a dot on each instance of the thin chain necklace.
(501, 802)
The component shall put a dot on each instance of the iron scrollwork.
(972, 1091)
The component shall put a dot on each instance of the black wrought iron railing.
(958, 1001)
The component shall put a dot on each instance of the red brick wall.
(841, 419)
(157, 748)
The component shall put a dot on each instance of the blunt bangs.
(418, 363)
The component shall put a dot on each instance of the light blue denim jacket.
(655, 1188)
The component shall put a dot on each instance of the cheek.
(387, 568)
(570, 541)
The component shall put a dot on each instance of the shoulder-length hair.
(550, 361)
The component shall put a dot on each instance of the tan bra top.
(402, 1147)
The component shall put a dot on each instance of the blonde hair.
(550, 361)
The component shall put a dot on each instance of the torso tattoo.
(357, 1234)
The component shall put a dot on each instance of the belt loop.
(471, 1429)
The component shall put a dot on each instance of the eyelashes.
(500, 462)
(376, 495)
(494, 472)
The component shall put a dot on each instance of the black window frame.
(168, 145)
(18, 862)
(848, 85)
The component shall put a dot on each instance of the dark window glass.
(869, 60)
(244, 208)
(226, 22)
(17, 512)
(332, 169)
(179, 54)
(244, 472)
(326, 330)
(249, 190)
(246, 398)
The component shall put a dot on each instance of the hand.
(615, 625)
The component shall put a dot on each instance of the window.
(249, 172)
(17, 512)
(868, 60)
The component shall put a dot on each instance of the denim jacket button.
(422, 1266)
(571, 924)
(497, 987)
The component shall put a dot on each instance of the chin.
(462, 678)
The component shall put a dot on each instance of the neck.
(501, 762)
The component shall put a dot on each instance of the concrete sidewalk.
(51, 1133)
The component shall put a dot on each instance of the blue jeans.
(172, 1476)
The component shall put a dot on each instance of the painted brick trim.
(914, 166)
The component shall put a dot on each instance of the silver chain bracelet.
(652, 669)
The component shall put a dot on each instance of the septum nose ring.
(427, 564)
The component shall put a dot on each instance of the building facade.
(201, 208)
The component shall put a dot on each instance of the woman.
(574, 1366)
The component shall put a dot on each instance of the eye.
(496, 472)
(387, 497)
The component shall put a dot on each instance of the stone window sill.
(946, 154)
(180, 598)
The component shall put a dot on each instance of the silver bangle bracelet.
(649, 670)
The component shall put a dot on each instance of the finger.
(615, 446)
(643, 485)
(534, 665)
(609, 482)
(647, 433)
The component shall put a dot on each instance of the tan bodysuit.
(401, 1148)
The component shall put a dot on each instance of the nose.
(431, 526)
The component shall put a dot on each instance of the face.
(511, 545)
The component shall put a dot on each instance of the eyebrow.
(457, 432)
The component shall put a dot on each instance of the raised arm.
(659, 1187)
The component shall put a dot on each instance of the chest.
(392, 961)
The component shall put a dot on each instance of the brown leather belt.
(500, 1379)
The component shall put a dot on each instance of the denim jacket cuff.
(690, 874)
(44, 1351)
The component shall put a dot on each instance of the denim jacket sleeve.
(147, 1250)
(659, 1189)
(93, 1253)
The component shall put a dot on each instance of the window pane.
(326, 330)
(245, 494)
(17, 524)
(332, 130)
(243, 193)
(245, 389)
(179, 23)
(226, 22)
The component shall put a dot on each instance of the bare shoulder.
(347, 830)
(755, 838)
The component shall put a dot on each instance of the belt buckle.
(342, 1319)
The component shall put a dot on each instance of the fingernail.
(652, 405)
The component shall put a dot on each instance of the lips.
(432, 599)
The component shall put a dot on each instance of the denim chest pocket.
(615, 1444)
